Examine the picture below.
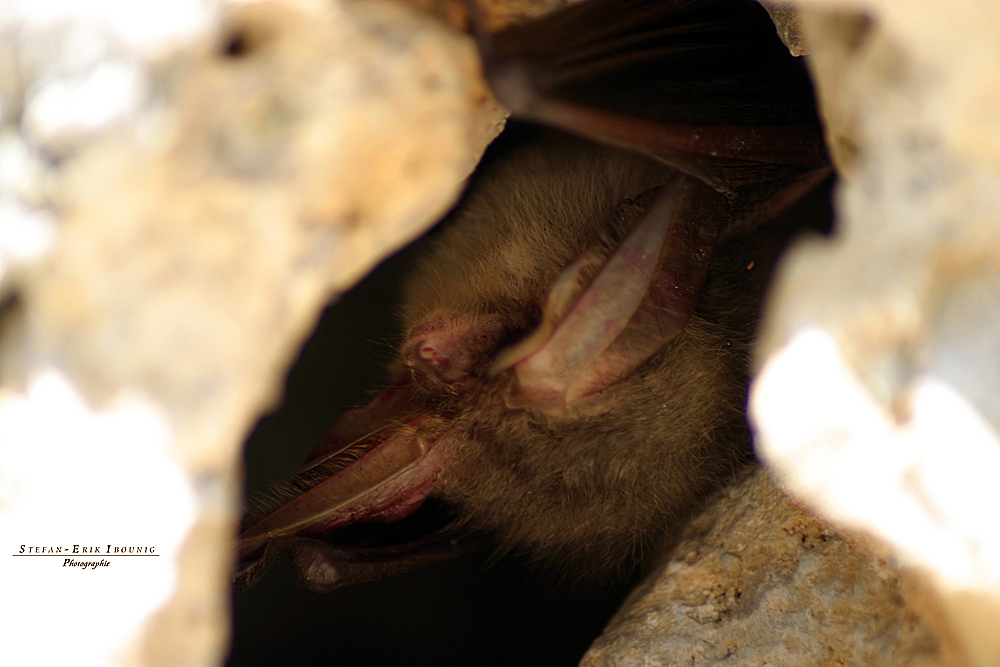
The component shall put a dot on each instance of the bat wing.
(705, 86)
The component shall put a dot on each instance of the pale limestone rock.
(263, 166)
(878, 403)
(759, 579)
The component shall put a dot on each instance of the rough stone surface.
(786, 21)
(761, 580)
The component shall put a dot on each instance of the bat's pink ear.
(595, 332)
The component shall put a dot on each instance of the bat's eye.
(447, 348)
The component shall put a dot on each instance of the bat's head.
(571, 381)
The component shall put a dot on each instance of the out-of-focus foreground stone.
(760, 580)
(879, 398)
(159, 276)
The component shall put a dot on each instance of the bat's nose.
(450, 347)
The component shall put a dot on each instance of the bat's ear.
(606, 315)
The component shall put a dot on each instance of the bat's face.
(551, 387)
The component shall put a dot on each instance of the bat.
(574, 369)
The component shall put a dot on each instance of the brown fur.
(595, 490)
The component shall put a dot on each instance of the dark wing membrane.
(704, 85)
(707, 62)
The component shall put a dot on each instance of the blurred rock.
(878, 401)
(497, 14)
(241, 179)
